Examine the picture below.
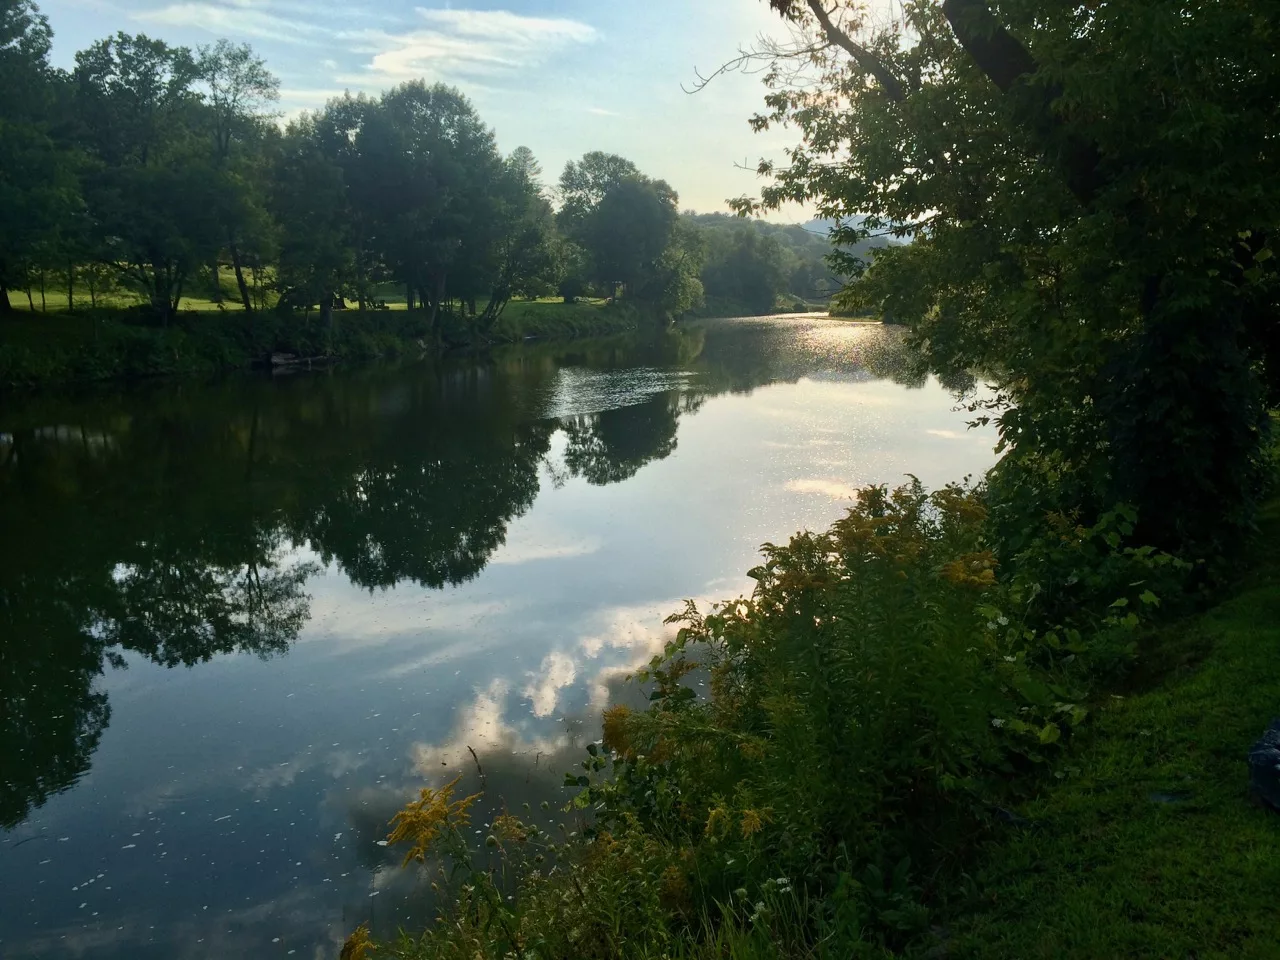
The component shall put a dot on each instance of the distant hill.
(862, 250)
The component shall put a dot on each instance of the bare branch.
(863, 57)
(767, 55)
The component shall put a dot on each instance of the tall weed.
(874, 703)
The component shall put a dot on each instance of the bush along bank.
(38, 350)
(893, 715)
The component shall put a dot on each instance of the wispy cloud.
(465, 44)
(601, 112)
(235, 20)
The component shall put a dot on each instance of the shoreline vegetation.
(903, 755)
(61, 349)
(1007, 719)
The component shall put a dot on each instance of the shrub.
(882, 693)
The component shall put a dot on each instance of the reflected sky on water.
(242, 623)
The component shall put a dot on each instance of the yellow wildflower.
(510, 828)
(715, 820)
(972, 570)
(751, 823)
(673, 888)
(615, 729)
(357, 946)
(425, 819)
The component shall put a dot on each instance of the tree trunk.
(326, 315)
(43, 305)
(240, 282)
(176, 292)
(217, 282)
(71, 287)
(435, 304)
(409, 296)
(5, 305)
(1187, 384)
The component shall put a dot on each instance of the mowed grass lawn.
(1152, 846)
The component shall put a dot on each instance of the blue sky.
(559, 76)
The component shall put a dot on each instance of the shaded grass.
(555, 319)
(1151, 846)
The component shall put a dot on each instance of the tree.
(38, 189)
(584, 183)
(153, 199)
(531, 256)
(1091, 196)
(239, 89)
(747, 267)
(309, 203)
(435, 198)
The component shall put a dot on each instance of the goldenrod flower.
(615, 729)
(715, 820)
(510, 828)
(357, 946)
(425, 819)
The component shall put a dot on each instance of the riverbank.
(1151, 845)
(61, 349)
(943, 795)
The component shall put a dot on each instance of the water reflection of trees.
(614, 445)
(168, 525)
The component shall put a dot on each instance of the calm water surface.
(241, 624)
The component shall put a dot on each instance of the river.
(242, 623)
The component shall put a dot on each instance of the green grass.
(200, 296)
(1151, 846)
(552, 319)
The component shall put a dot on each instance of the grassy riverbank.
(911, 753)
(52, 349)
(1150, 846)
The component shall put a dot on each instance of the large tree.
(1091, 195)
(309, 201)
(437, 170)
(238, 90)
(38, 190)
(153, 195)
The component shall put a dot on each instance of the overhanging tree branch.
(1010, 65)
(863, 57)
(997, 53)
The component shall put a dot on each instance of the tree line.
(160, 171)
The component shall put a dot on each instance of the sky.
(559, 76)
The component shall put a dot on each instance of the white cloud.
(480, 725)
(601, 112)
(556, 672)
(465, 43)
(235, 19)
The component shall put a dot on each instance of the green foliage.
(875, 705)
(1090, 206)
(1149, 848)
